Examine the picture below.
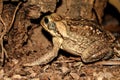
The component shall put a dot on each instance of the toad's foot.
(49, 56)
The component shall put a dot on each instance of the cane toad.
(82, 38)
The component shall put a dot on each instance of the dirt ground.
(26, 41)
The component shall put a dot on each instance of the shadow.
(111, 10)
(59, 3)
(37, 21)
(47, 35)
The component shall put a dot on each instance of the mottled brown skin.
(82, 38)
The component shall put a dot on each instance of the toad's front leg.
(48, 57)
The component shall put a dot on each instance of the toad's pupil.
(46, 20)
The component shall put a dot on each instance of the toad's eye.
(46, 20)
(52, 26)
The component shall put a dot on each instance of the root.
(109, 62)
(5, 31)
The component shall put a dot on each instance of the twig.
(14, 14)
(109, 63)
(5, 31)
(4, 52)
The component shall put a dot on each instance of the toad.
(82, 38)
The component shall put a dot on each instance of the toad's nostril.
(46, 20)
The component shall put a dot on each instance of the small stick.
(14, 14)
(109, 63)
(4, 52)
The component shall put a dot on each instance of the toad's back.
(86, 39)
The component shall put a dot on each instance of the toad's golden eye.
(50, 24)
